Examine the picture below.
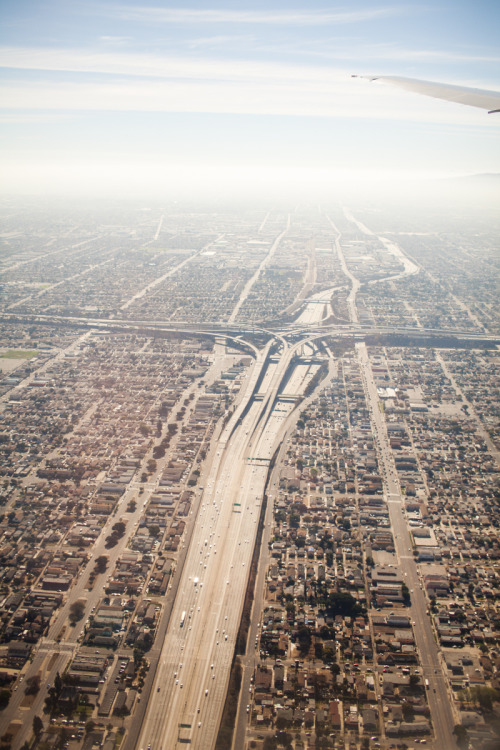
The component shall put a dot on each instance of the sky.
(101, 97)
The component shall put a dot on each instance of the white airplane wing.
(489, 100)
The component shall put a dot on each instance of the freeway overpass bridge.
(244, 335)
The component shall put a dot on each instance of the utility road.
(439, 703)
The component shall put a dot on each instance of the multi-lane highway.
(194, 666)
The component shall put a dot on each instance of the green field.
(18, 354)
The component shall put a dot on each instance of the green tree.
(32, 685)
(485, 696)
(76, 611)
(119, 528)
(58, 683)
(408, 711)
(101, 563)
(37, 726)
(414, 681)
(344, 604)
(4, 698)
(405, 591)
(462, 736)
(304, 638)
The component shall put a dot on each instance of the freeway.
(194, 665)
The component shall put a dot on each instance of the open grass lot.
(18, 354)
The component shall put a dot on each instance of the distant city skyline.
(115, 98)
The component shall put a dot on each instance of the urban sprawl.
(249, 477)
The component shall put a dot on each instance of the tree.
(32, 685)
(111, 541)
(461, 735)
(101, 563)
(328, 655)
(284, 739)
(58, 683)
(119, 527)
(282, 723)
(408, 711)
(4, 698)
(76, 611)
(343, 603)
(63, 738)
(405, 591)
(51, 701)
(485, 696)
(414, 681)
(37, 726)
(304, 638)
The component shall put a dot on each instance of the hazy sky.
(106, 96)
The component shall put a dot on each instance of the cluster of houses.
(332, 537)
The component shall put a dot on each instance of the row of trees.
(117, 531)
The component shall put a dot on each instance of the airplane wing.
(489, 100)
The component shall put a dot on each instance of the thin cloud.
(428, 55)
(196, 16)
(26, 118)
(115, 39)
(340, 99)
(146, 82)
(157, 66)
(354, 49)
(226, 40)
(204, 68)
